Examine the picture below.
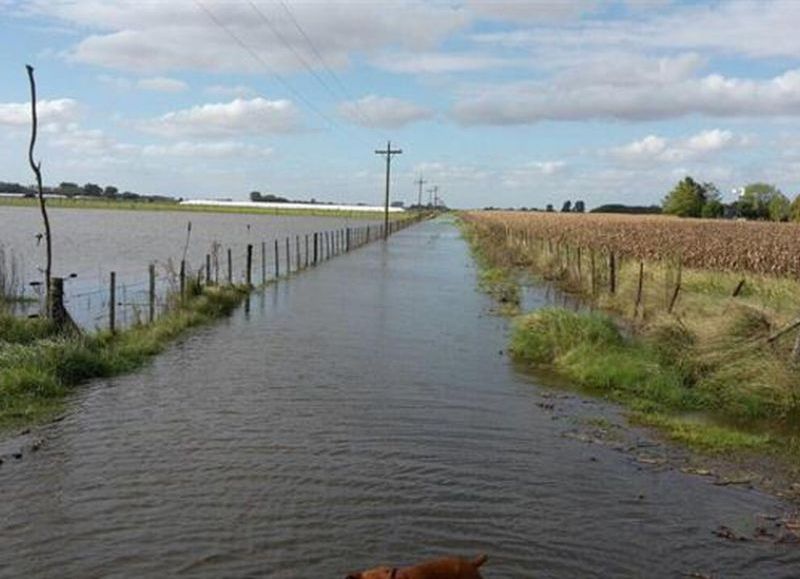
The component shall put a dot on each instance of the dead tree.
(36, 167)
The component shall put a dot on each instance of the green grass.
(503, 286)
(708, 357)
(652, 377)
(39, 367)
(169, 206)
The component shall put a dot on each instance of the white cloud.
(160, 36)
(522, 11)
(383, 112)
(220, 149)
(256, 116)
(565, 99)
(655, 149)
(161, 84)
(155, 83)
(438, 63)
(548, 167)
(752, 28)
(48, 111)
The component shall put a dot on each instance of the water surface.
(356, 414)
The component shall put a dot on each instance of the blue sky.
(502, 103)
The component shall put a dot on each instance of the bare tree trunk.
(36, 167)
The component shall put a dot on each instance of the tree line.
(690, 198)
(72, 190)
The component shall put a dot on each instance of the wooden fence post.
(208, 269)
(306, 265)
(315, 248)
(677, 288)
(347, 240)
(738, 289)
(612, 273)
(112, 303)
(288, 258)
(263, 263)
(230, 267)
(183, 279)
(249, 272)
(593, 267)
(297, 252)
(639, 290)
(277, 261)
(151, 294)
(55, 303)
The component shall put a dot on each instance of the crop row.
(746, 246)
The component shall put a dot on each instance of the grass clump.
(503, 287)
(711, 438)
(38, 366)
(589, 349)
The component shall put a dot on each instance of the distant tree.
(579, 207)
(780, 208)
(628, 209)
(794, 209)
(110, 191)
(686, 199)
(756, 199)
(255, 196)
(92, 190)
(567, 207)
(69, 189)
(713, 209)
(549, 208)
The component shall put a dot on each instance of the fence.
(119, 305)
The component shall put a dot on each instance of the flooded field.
(91, 243)
(363, 412)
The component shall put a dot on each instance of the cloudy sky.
(497, 102)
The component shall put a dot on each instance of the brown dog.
(447, 568)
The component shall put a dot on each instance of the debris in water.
(728, 533)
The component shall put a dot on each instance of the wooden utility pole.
(420, 182)
(433, 192)
(388, 153)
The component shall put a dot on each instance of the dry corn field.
(743, 246)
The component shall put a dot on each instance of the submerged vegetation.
(39, 364)
(695, 352)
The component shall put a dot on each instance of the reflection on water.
(356, 414)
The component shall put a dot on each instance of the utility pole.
(388, 152)
(420, 182)
(433, 194)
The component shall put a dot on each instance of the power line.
(276, 32)
(264, 64)
(340, 85)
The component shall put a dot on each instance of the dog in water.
(446, 568)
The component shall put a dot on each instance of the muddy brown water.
(358, 413)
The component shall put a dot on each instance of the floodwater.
(358, 413)
(91, 243)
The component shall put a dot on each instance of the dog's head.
(376, 573)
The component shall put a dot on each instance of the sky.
(497, 103)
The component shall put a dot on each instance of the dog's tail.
(480, 560)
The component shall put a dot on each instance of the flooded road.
(356, 414)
